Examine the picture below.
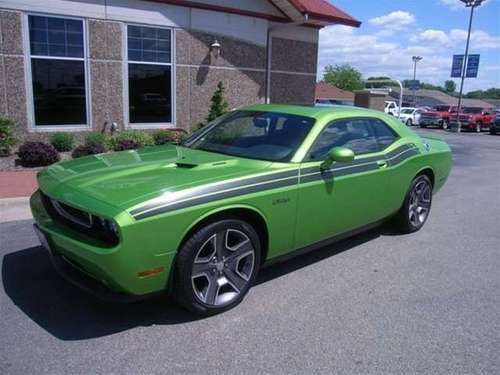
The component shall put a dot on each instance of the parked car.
(391, 108)
(410, 116)
(439, 116)
(495, 126)
(473, 118)
(255, 186)
(331, 102)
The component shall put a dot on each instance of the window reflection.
(149, 93)
(59, 92)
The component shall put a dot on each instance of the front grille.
(90, 226)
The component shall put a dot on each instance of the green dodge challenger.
(255, 186)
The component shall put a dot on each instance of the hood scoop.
(185, 165)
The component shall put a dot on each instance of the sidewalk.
(17, 184)
(15, 190)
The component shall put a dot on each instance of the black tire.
(479, 127)
(184, 284)
(423, 126)
(409, 123)
(492, 132)
(445, 125)
(403, 219)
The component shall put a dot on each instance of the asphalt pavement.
(428, 302)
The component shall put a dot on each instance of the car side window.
(384, 134)
(355, 134)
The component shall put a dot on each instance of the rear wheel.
(479, 127)
(444, 125)
(416, 207)
(216, 267)
(409, 122)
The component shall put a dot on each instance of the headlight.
(108, 225)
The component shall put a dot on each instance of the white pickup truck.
(391, 108)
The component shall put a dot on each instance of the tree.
(218, 104)
(450, 86)
(493, 93)
(344, 76)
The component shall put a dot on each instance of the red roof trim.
(324, 11)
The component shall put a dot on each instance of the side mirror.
(338, 154)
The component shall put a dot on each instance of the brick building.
(72, 65)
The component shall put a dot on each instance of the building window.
(149, 75)
(57, 57)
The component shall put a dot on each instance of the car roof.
(311, 111)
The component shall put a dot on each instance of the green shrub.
(131, 138)
(62, 141)
(163, 136)
(218, 103)
(97, 138)
(89, 148)
(7, 139)
(37, 154)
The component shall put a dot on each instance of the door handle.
(381, 163)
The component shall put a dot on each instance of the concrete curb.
(13, 209)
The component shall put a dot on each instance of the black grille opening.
(90, 226)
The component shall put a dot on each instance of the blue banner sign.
(457, 66)
(414, 85)
(472, 66)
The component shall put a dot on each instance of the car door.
(349, 195)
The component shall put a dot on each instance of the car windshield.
(407, 111)
(472, 110)
(253, 134)
(441, 108)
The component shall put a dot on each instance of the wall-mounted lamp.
(215, 48)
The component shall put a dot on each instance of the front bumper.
(430, 122)
(108, 273)
(74, 275)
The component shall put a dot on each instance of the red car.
(474, 118)
(439, 116)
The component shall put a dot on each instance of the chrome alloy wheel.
(222, 267)
(420, 203)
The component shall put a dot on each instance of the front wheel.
(417, 205)
(445, 125)
(409, 122)
(479, 127)
(216, 267)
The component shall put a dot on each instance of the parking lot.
(380, 302)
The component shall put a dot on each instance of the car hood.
(125, 179)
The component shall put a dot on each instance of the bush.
(163, 136)
(125, 144)
(7, 139)
(131, 139)
(219, 104)
(62, 141)
(37, 154)
(96, 138)
(89, 148)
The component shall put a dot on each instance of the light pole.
(415, 59)
(468, 4)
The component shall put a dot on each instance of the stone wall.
(293, 71)
(240, 66)
(12, 77)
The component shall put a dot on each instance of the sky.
(392, 31)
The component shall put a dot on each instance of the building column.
(106, 72)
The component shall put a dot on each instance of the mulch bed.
(12, 163)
